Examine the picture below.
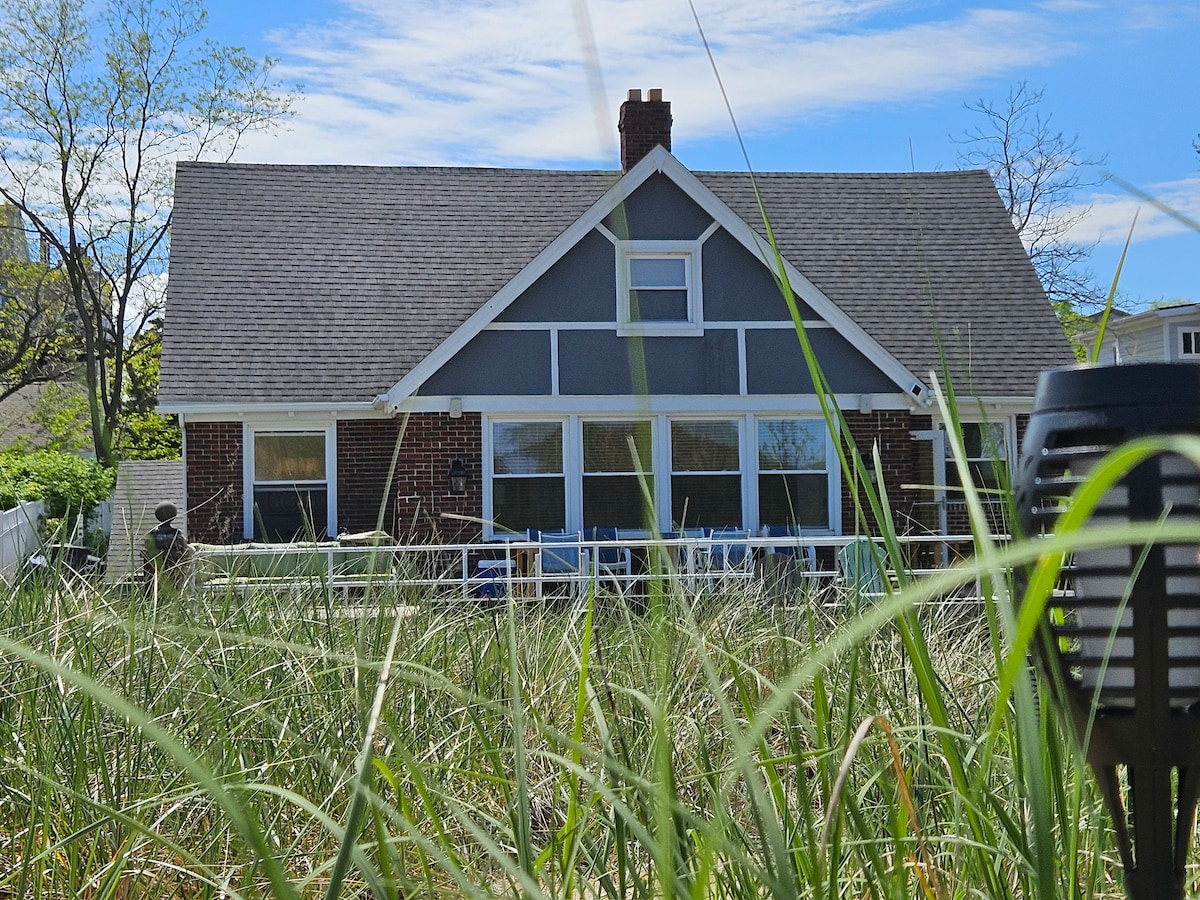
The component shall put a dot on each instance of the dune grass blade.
(1112, 294)
(239, 815)
(362, 775)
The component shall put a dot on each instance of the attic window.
(1189, 343)
(658, 288)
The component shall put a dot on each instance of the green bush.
(68, 484)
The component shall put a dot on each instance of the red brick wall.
(890, 428)
(424, 506)
(364, 456)
(214, 482)
(417, 503)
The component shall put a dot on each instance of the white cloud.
(1111, 213)
(505, 82)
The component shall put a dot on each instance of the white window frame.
(1194, 335)
(567, 466)
(948, 493)
(635, 420)
(249, 482)
(686, 250)
(661, 470)
(667, 506)
(833, 490)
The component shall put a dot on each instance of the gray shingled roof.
(329, 283)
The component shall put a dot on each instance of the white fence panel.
(102, 517)
(18, 535)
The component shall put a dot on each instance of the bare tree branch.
(1039, 171)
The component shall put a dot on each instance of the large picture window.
(528, 485)
(581, 472)
(706, 481)
(793, 473)
(612, 492)
(291, 486)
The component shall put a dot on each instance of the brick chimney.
(644, 124)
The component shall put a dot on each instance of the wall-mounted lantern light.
(457, 477)
(1124, 639)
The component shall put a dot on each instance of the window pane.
(522, 503)
(791, 444)
(985, 473)
(704, 447)
(791, 500)
(289, 457)
(987, 455)
(982, 441)
(290, 513)
(613, 501)
(708, 501)
(606, 446)
(657, 272)
(658, 306)
(527, 448)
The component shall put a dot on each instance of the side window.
(706, 480)
(1189, 344)
(612, 491)
(291, 486)
(987, 456)
(793, 473)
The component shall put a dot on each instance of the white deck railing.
(533, 568)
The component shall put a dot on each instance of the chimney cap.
(643, 126)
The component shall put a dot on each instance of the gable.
(658, 210)
(575, 303)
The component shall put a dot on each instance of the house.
(1162, 334)
(521, 330)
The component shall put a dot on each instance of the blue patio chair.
(568, 562)
(729, 555)
(806, 554)
(612, 562)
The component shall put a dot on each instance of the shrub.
(68, 484)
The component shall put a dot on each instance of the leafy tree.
(1038, 171)
(69, 484)
(144, 433)
(36, 342)
(61, 412)
(98, 101)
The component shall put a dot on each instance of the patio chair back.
(556, 560)
(729, 551)
(860, 568)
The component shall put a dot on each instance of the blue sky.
(816, 85)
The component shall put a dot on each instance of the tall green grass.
(717, 746)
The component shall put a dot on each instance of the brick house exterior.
(533, 326)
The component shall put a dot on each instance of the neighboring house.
(1164, 334)
(525, 327)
